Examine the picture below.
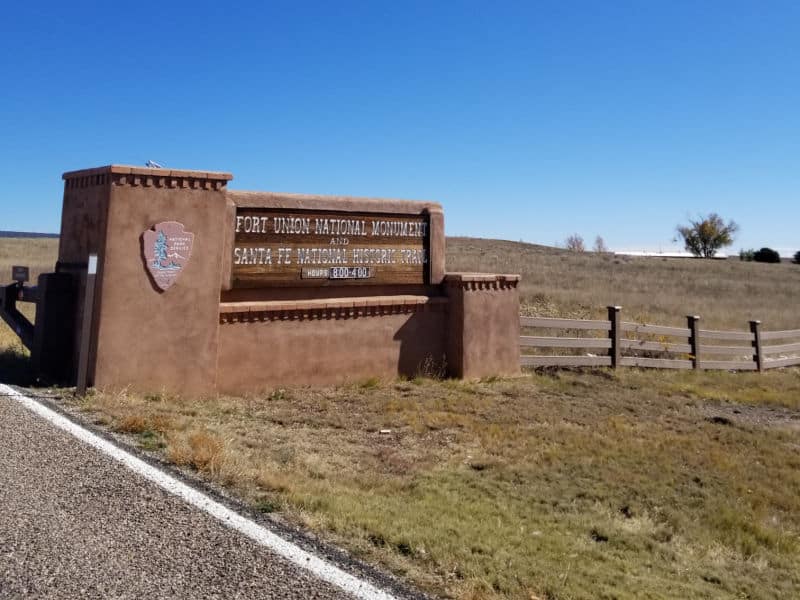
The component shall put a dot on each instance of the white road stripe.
(291, 552)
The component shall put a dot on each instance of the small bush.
(767, 255)
(746, 255)
(797, 257)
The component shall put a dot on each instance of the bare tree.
(600, 245)
(575, 243)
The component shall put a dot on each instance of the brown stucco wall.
(145, 338)
(331, 334)
(483, 324)
(267, 344)
(84, 217)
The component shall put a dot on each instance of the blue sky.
(526, 120)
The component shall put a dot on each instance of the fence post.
(86, 327)
(755, 328)
(694, 339)
(615, 334)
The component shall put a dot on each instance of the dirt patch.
(777, 417)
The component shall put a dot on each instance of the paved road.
(74, 523)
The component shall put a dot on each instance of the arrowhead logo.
(166, 248)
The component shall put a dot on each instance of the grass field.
(726, 293)
(564, 485)
(39, 254)
(553, 485)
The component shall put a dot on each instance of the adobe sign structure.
(201, 289)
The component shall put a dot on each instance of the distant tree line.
(706, 235)
(764, 255)
(575, 243)
(702, 237)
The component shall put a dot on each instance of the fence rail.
(616, 343)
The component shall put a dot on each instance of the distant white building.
(720, 255)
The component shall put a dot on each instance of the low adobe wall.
(242, 312)
(266, 344)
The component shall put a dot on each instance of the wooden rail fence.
(617, 343)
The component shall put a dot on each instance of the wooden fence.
(617, 343)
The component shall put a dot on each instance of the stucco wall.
(483, 324)
(145, 338)
(267, 344)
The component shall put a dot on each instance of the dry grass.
(726, 293)
(564, 485)
(40, 255)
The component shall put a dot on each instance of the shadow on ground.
(16, 367)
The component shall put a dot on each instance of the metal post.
(615, 334)
(86, 327)
(755, 328)
(694, 339)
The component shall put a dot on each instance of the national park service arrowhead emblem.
(166, 248)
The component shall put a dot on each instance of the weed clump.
(278, 395)
(370, 384)
(430, 368)
(200, 449)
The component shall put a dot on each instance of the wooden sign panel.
(316, 248)
(20, 274)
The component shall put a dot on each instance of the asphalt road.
(75, 523)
